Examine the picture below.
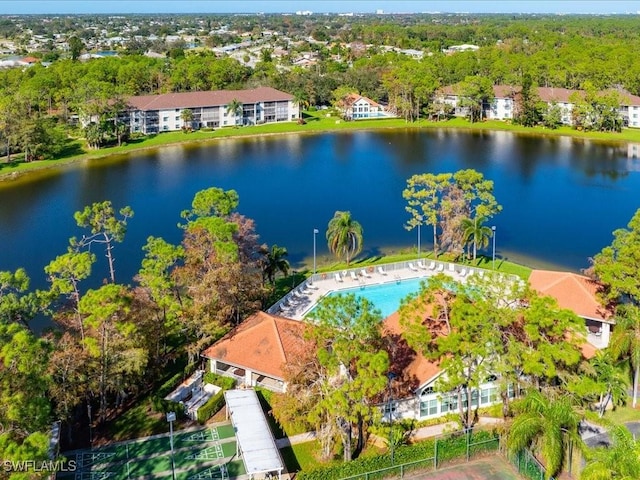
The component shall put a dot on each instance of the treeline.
(113, 343)
(38, 103)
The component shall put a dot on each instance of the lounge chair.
(338, 277)
(432, 266)
(480, 273)
(354, 276)
(452, 268)
(412, 267)
(462, 272)
(440, 267)
(381, 271)
(421, 265)
(470, 271)
(364, 273)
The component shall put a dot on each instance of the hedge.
(215, 403)
(225, 383)
(448, 448)
(213, 406)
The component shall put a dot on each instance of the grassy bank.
(316, 122)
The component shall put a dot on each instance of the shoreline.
(292, 128)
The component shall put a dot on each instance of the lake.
(562, 197)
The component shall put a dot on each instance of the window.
(488, 395)
(427, 391)
(429, 408)
(165, 119)
(449, 403)
(177, 117)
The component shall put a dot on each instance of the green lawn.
(303, 456)
(328, 264)
(622, 415)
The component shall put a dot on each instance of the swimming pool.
(385, 297)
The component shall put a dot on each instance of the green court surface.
(199, 454)
(489, 468)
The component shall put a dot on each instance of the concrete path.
(418, 434)
(300, 301)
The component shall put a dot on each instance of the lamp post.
(171, 417)
(419, 238)
(493, 257)
(390, 377)
(315, 232)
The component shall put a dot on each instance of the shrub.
(213, 406)
(448, 448)
(225, 383)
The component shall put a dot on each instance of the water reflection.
(562, 197)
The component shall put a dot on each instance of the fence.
(428, 454)
(386, 272)
(453, 446)
(528, 466)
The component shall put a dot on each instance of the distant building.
(505, 102)
(461, 48)
(357, 107)
(150, 114)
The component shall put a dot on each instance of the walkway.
(418, 434)
(297, 303)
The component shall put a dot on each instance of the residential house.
(163, 113)
(355, 107)
(256, 352)
(578, 294)
(561, 98)
(630, 110)
(500, 107)
(504, 103)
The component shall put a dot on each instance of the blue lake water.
(562, 197)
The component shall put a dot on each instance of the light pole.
(315, 232)
(419, 225)
(171, 417)
(493, 259)
(390, 377)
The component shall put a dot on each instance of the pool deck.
(297, 303)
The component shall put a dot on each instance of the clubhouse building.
(257, 352)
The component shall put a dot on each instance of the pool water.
(385, 297)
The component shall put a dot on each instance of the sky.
(319, 6)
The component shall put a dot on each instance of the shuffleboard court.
(488, 468)
(209, 452)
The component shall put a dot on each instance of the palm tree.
(301, 99)
(621, 460)
(474, 231)
(344, 236)
(611, 381)
(234, 107)
(625, 341)
(548, 424)
(275, 262)
(187, 118)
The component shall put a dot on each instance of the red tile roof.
(263, 343)
(354, 97)
(206, 99)
(420, 368)
(558, 95)
(572, 291)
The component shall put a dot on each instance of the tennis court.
(487, 468)
(198, 454)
